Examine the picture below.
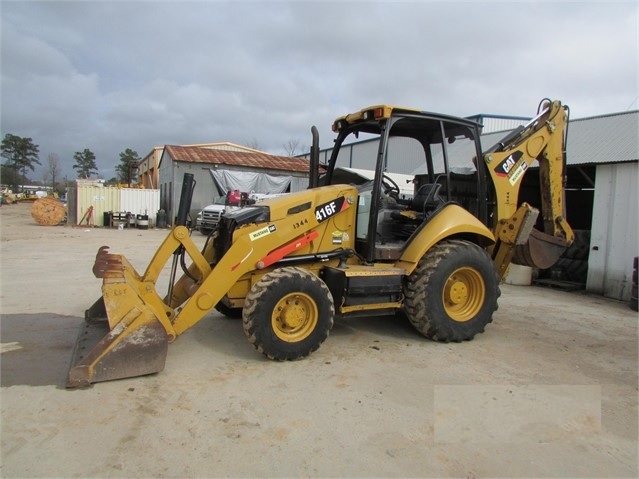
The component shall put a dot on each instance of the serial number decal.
(267, 230)
(506, 166)
(325, 211)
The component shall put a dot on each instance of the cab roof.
(384, 112)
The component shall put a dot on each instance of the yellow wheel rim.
(294, 317)
(464, 294)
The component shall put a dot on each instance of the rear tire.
(452, 294)
(288, 314)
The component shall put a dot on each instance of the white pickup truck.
(210, 215)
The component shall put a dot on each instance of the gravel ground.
(550, 390)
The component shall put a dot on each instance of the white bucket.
(519, 275)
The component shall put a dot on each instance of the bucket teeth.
(107, 264)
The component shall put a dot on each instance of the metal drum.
(143, 222)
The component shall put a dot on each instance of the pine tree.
(85, 163)
(21, 154)
(127, 169)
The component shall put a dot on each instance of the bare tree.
(291, 146)
(253, 144)
(53, 169)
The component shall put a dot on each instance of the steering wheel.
(390, 187)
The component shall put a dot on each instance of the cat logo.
(505, 167)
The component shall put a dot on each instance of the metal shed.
(609, 145)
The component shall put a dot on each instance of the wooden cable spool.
(48, 211)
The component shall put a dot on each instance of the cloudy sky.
(137, 74)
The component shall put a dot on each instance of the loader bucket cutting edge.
(540, 251)
(136, 346)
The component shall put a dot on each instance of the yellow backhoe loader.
(288, 265)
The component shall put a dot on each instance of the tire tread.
(418, 293)
(253, 298)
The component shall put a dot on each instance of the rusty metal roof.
(194, 154)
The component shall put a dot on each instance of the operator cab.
(437, 150)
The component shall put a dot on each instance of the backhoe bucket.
(540, 251)
(122, 336)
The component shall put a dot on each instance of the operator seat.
(427, 198)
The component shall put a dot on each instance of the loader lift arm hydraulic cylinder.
(186, 196)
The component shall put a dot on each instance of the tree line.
(21, 154)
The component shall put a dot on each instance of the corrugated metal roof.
(610, 138)
(226, 145)
(192, 154)
(492, 123)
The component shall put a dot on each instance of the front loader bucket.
(540, 251)
(135, 347)
(122, 336)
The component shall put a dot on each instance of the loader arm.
(543, 141)
(128, 328)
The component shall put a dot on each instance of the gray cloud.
(114, 75)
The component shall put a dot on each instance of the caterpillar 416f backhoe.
(289, 265)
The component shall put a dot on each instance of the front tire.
(288, 314)
(452, 294)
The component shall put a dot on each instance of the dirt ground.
(550, 390)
